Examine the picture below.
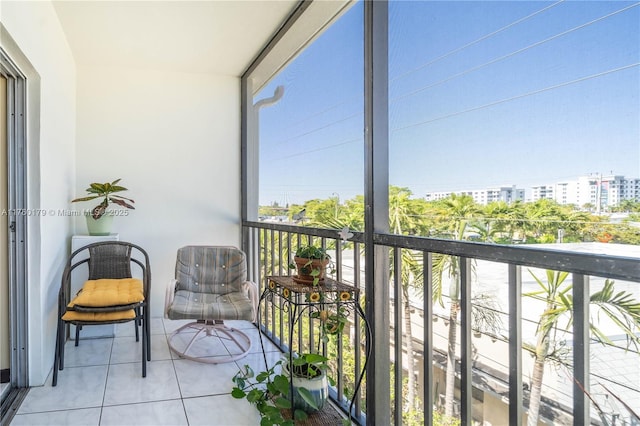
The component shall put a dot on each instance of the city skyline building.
(599, 191)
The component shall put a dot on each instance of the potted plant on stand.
(311, 263)
(306, 375)
(270, 391)
(99, 220)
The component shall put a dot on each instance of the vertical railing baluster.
(263, 270)
(397, 311)
(515, 345)
(289, 255)
(466, 373)
(282, 320)
(278, 315)
(338, 260)
(309, 241)
(272, 249)
(340, 365)
(340, 340)
(255, 252)
(272, 263)
(281, 264)
(357, 343)
(427, 282)
(581, 409)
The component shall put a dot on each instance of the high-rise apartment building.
(600, 192)
(542, 192)
(508, 194)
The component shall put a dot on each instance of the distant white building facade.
(600, 192)
(508, 194)
(542, 192)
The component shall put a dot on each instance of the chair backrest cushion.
(211, 269)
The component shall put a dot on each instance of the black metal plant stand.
(298, 299)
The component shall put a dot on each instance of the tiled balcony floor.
(101, 384)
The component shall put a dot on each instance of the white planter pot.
(318, 387)
(101, 226)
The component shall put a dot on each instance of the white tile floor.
(101, 384)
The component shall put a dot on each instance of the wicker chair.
(210, 286)
(110, 296)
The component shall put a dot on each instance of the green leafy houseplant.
(105, 192)
(311, 262)
(270, 391)
(332, 322)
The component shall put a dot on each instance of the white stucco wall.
(35, 41)
(174, 139)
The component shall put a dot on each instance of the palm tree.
(543, 217)
(499, 214)
(619, 307)
(460, 209)
(506, 218)
(404, 216)
(412, 277)
(485, 231)
(447, 266)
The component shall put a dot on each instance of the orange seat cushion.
(109, 292)
(99, 316)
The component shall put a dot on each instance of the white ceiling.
(211, 36)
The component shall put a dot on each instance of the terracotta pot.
(306, 266)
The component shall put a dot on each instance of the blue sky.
(481, 94)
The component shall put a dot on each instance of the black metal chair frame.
(102, 266)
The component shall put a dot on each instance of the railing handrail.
(601, 265)
(304, 230)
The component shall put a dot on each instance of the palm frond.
(544, 286)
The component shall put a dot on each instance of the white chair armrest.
(168, 297)
(252, 290)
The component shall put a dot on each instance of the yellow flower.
(314, 297)
(272, 285)
(285, 293)
(345, 295)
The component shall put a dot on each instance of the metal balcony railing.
(270, 247)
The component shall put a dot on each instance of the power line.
(345, 101)
(439, 58)
(493, 61)
(327, 109)
(535, 92)
(410, 94)
(318, 128)
(524, 95)
(324, 148)
(409, 72)
(458, 75)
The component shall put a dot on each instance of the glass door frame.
(17, 232)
